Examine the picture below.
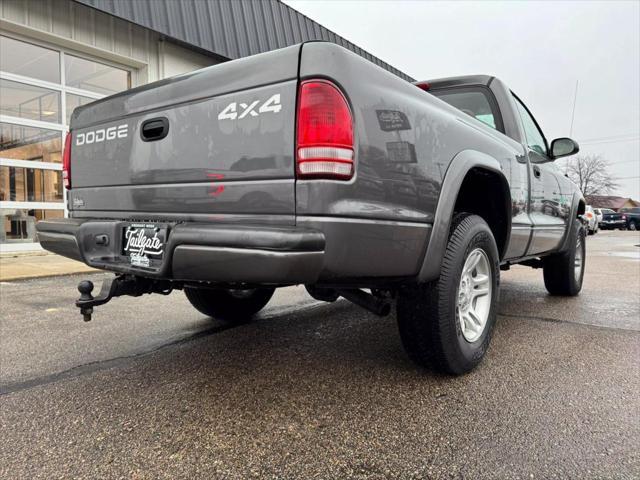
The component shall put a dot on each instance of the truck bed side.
(406, 140)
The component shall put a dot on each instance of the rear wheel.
(447, 323)
(235, 306)
(633, 225)
(564, 272)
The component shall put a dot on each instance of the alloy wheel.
(474, 295)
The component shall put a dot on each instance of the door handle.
(536, 171)
(154, 129)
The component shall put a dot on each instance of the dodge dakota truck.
(311, 165)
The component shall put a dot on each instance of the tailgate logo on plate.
(97, 136)
(138, 243)
(230, 112)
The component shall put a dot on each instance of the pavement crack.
(533, 317)
(99, 365)
(558, 320)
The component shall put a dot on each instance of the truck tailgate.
(216, 141)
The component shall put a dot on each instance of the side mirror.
(563, 147)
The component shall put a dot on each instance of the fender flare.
(457, 171)
(575, 203)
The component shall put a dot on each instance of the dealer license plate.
(144, 244)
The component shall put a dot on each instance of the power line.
(607, 137)
(595, 142)
(568, 159)
(625, 161)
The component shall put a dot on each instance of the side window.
(474, 102)
(535, 138)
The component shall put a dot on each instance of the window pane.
(51, 185)
(93, 76)
(19, 225)
(474, 104)
(29, 60)
(27, 101)
(27, 143)
(48, 214)
(535, 139)
(73, 101)
(30, 185)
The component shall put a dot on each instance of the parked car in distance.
(598, 213)
(612, 220)
(631, 216)
(591, 220)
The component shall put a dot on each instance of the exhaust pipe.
(375, 305)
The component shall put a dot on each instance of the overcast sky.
(540, 49)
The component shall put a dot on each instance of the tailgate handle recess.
(154, 129)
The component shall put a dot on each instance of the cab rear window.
(477, 102)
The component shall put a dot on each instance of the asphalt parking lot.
(152, 389)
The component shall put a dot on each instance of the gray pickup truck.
(310, 165)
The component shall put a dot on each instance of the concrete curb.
(19, 278)
(24, 267)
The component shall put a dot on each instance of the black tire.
(560, 276)
(234, 306)
(633, 225)
(427, 313)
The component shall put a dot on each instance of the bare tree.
(591, 174)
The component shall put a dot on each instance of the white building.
(58, 54)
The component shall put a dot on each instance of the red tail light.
(66, 162)
(325, 132)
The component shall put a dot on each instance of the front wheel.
(234, 306)
(564, 272)
(633, 225)
(448, 323)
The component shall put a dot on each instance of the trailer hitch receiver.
(116, 287)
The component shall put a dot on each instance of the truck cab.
(541, 195)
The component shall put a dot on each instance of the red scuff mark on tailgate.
(215, 189)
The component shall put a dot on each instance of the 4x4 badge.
(230, 112)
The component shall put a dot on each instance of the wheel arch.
(578, 207)
(469, 172)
